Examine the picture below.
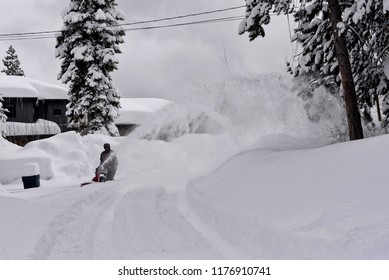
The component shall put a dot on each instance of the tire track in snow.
(149, 225)
(226, 249)
(112, 221)
(71, 233)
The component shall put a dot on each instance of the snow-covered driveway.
(113, 220)
(141, 215)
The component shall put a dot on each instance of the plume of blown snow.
(247, 109)
(177, 120)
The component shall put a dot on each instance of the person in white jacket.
(108, 162)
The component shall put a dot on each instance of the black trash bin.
(31, 177)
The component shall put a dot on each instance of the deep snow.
(238, 190)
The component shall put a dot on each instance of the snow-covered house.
(36, 109)
(135, 111)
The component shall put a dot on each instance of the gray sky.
(154, 63)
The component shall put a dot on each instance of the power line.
(28, 38)
(225, 19)
(54, 33)
(52, 36)
(28, 33)
(184, 16)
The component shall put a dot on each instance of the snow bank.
(74, 156)
(11, 165)
(61, 156)
(6, 146)
(30, 169)
(67, 153)
(308, 204)
(13, 157)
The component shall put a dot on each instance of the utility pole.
(350, 97)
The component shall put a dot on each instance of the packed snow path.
(112, 220)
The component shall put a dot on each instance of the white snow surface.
(18, 86)
(287, 195)
(30, 169)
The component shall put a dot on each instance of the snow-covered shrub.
(177, 120)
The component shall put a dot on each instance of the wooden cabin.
(38, 109)
(27, 101)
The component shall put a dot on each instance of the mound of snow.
(67, 153)
(322, 203)
(11, 165)
(6, 146)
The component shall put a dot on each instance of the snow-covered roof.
(17, 86)
(137, 110)
(40, 127)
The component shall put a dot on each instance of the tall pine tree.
(87, 46)
(12, 64)
(365, 28)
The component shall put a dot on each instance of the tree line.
(343, 47)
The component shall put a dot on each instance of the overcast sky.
(154, 63)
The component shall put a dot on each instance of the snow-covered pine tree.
(368, 28)
(87, 46)
(11, 63)
(367, 36)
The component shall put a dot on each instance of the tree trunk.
(377, 101)
(350, 97)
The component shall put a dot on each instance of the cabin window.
(57, 112)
